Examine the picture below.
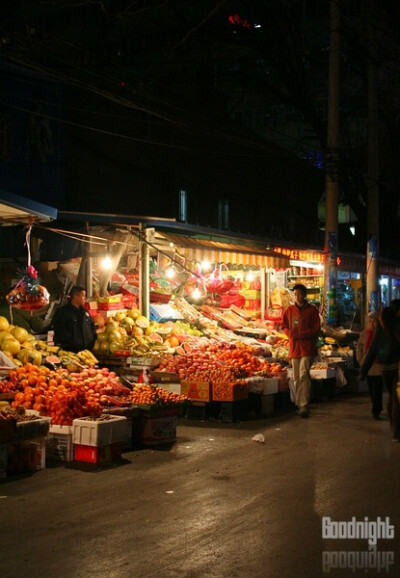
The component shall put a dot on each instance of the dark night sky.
(149, 97)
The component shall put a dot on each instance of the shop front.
(389, 282)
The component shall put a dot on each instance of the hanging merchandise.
(28, 294)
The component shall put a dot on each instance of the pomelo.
(142, 321)
(11, 345)
(20, 334)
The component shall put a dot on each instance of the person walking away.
(374, 375)
(385, 346)
(301, 323)
(74, 329)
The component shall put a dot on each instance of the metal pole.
(331, 201)
(144, 271)
(89, 265)
(372, 257)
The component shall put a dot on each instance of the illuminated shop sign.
(299, 255)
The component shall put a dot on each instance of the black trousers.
(375, 387)
(390, 379)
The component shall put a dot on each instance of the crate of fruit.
(99, 431)
(31, 426)
(234, 391)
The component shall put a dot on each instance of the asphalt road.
(216, 504)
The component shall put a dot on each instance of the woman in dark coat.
(385, 347)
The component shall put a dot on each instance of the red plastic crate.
(97, 454)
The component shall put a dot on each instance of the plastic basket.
(59, 447)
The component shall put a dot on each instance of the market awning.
(194, 249)
(16, 210)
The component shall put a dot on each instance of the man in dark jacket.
(74, 329)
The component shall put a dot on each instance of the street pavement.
(218, 504)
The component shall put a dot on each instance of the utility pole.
(372, 257)
(332, 165)
(144, 270)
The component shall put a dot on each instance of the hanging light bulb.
(250, 276)
(205, 265)
(170, 272)
(196, 294)
(106, 262)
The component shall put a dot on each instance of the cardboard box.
(88, 432)
(229, 391)
(111, 306)
(172, 387)
(196, 390)
(283, 381)
(26, 456)
(106, 314)
(164, 312)
(111, 299)
(157, 430)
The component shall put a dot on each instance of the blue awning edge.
(28, 206)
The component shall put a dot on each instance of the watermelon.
(156, 338)
(53, 359)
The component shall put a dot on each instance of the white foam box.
(267, 404)
(88, 432)
(322, 373)
(271, 386)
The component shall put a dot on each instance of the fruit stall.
(206, 348)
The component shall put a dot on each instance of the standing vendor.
(301, 323)
(74, 329)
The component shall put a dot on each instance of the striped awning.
(223, 252)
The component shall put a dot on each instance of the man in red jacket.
(301, 323)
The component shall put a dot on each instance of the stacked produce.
(129, 333)
(22, 347)
(65, 395)
(143, 394)
(218, 362)
(16, 341)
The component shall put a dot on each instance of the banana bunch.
(141, 344)
(73, 361)
(326, 347)
(87, 357)
(45, 348)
